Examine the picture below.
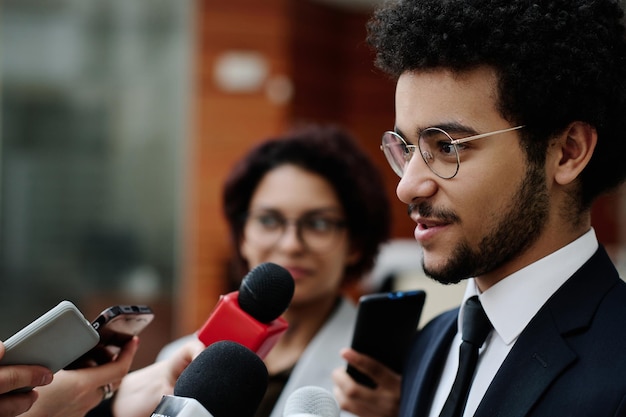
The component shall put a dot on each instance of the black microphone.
(311, 401)
(225, 380)
(251, 316)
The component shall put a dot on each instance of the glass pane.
(94, 111)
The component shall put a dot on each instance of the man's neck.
(548, 242)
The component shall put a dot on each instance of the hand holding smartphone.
(385, 324)
(53, 340)
(116, 325)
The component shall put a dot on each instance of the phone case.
(53, 340)
(116, 325)
(385, 324)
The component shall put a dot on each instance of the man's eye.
(445, 147)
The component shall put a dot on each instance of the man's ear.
(574, 150)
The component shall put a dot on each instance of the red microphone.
(251, 316)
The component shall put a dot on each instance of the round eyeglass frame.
(399, 153)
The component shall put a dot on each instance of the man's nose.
(417, 182)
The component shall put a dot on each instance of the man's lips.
(430, 222)
(424, 224)
(428, 229)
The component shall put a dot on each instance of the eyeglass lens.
(397, 152)
(434, 146)
(438, 152)
(317, 232)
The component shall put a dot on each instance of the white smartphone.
(53, 340)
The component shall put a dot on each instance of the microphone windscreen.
(266, 291)
(311, 401)
(228, 379)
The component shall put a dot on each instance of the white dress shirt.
(510, 305)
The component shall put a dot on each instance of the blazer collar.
(541, 352)
(428, 363)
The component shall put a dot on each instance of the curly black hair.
(557, 61)
(332, 153)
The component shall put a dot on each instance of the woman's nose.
(291, 237)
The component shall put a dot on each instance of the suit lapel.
(534, 362)
(541, 353)
(425, 364)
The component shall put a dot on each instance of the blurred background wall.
(121, 118)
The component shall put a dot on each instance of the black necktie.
(476, 327)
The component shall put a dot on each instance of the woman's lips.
(297, 272)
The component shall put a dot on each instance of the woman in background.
(314, 203)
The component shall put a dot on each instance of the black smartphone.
(385, 324)
(116, 325)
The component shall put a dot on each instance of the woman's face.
(296, 220)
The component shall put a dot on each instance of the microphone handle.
(172, 406)
(303, 415)
(229, 322)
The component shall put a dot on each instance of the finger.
(350, 395)
(349, 388)
(127, 354)
(19, 376)
(194, 348)
(343, 388)
(370, 367)
(114, 371)
(342, 379)
(17, 403)
(383, 401)
(182, 358)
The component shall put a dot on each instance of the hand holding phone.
(116, 325)
(385, 324)
(53, 340)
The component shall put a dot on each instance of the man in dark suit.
(516, 110)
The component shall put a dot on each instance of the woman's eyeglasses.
(316, 231)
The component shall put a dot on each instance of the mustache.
(425, 209)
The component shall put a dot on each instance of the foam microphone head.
(311, 401)
(266, 291)
(228, 379)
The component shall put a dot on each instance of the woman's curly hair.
(333, 154)
(557, 61)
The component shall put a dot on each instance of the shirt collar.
(513, 302)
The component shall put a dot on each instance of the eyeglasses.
(316, 231)
(436, 146)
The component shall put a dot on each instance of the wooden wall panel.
(225, 125)
(322, 50)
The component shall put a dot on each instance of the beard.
(516, 229)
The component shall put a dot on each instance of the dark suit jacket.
(569, 361)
